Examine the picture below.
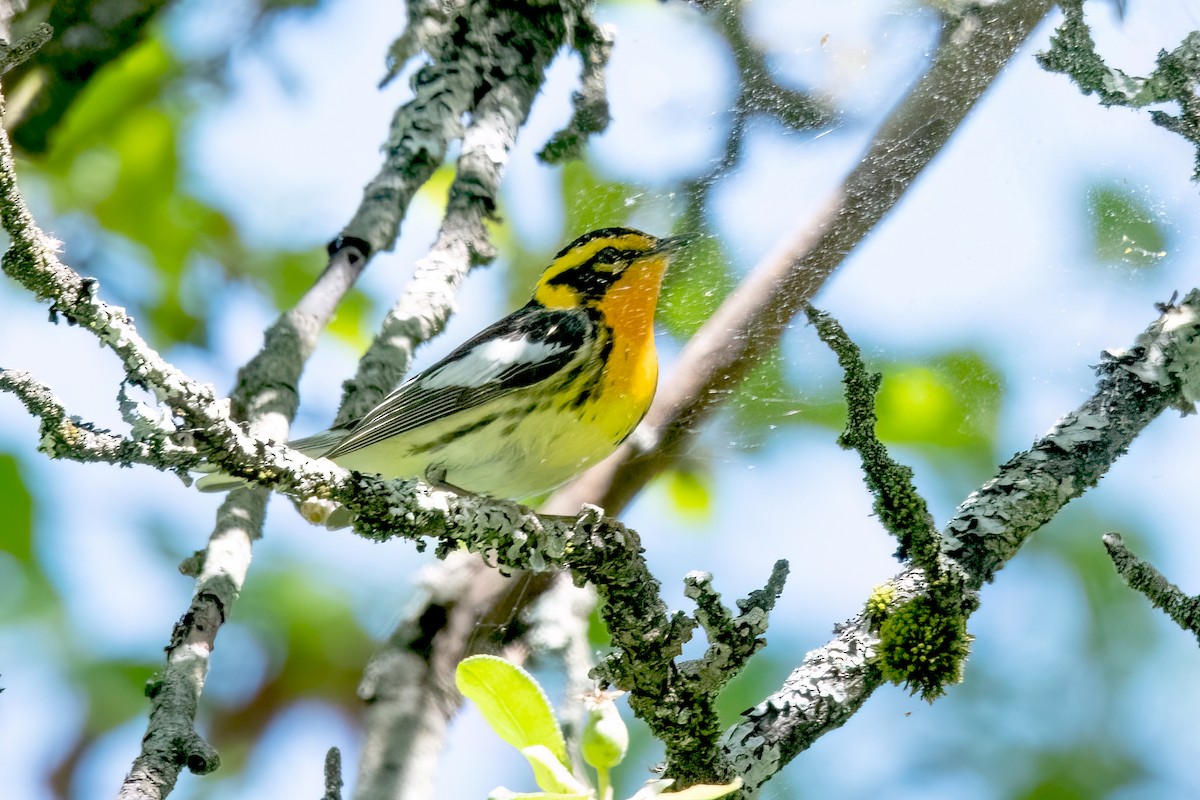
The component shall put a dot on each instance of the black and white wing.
(529, 346)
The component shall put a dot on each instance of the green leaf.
(949, 400)
(120, 89)
(500, 793)
(691, 492)
(701, 791)
(706, 791)
(513, 704)
(550, 773)
(1125, 231)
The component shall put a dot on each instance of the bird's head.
(597, 266)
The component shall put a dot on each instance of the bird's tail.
(314, 446)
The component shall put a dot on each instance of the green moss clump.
(923, 645)
(879, 604)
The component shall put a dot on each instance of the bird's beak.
(672, 244)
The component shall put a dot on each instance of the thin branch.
(1161, 371)
(32, 260)
(1176, 77)
(462, 243)
(732, 640)
(898, 504)
(759, 92)
(591, 114)
(65, 436)
(1141, 576)
(333, 775)
(20, 51)
(750, 322)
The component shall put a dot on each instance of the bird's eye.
(609, 255)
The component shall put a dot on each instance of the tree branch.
(461, 244)
(1175, 78)
(20, 51)
(333, 775)
(65, 436)
(900, 508)
(1141, 576)
(1160, 371)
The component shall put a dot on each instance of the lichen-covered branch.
(462, 243)
(590, 103)
(65, 436)
(17, 53)
(901, 509)
(732, 640)
(1141, 576)
(924, 640)
(1160, 371)
(333, 775)
(1176, 78)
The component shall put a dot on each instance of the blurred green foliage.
(16, 524)
(589, 201)
(690, 491)
(943, 401)
(592, 202)
(697, 283)
(1125, 231)
(115, 158)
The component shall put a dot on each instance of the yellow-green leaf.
(551, 774)
(512, 702)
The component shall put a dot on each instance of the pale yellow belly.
(513, 456)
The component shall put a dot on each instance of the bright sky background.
(989, 251)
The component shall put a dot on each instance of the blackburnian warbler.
(532, 400)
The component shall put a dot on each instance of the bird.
(532, 400)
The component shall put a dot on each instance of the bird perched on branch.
(532, 400)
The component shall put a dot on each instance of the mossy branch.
(1143, 577)
(1175, 79)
